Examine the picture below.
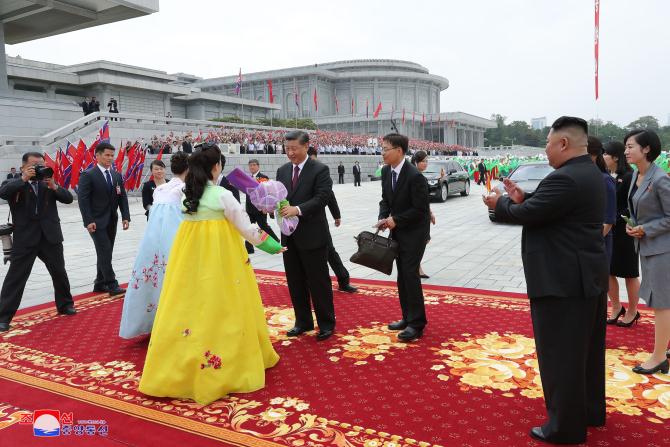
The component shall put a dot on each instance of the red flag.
(316, 101)
(58, 173)
(132, 157)
(337, 104)
(377, 110)
(403, 115)
(412, 117)
(423, 119)
(140, 169)
(367, 109)
(352, 106)
(597, 40)
(118, 163)
(272, 101)
(77, 163)
(50, 162)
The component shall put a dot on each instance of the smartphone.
(629, 220)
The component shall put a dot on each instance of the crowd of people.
(597, 217)
(273, 142)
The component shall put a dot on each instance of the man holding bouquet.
(306, 260)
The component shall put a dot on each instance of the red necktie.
(296, 172)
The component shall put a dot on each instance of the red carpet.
(470, 381)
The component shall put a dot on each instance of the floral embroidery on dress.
(151, 307)
(213, 361)
(149, 273)
(186, 332)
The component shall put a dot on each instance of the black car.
(446, 177)
(527, 176)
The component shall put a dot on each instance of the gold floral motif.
(506, 362)
(10, 415)
(364, 344)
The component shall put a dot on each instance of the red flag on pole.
(597, 40)
(377, 110)
(403, 115)
(77, 163)
(367, 108)
(316, 101)
(413, 115)
(50, 162)
(271, 98)
(423, 119)
(352, 106)
(118, 163)
(337, 104)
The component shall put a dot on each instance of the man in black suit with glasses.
(37, 234)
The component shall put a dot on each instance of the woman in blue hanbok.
(144, 287)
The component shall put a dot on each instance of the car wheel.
(466, 191)
(444, 192)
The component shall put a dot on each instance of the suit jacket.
(333, 207)
(226, 184)
(29, 224)
(562, 245)
(340, 169)
(251, 209)
(96, 203)
(311, 195)
(651, 207)
(356, 170)
(11, 176)
(409, 205)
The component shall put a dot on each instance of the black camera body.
(42, 172)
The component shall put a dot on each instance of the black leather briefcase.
(375, 251)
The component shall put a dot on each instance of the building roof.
(26, 20)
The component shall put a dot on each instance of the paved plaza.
(466, 249)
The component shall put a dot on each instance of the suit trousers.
(340, 179)
(570, 344)
(357, 180)
(262, 221)
(409, 287)
(307, 276)
(103, 239)
(21, 265)
(336, 264)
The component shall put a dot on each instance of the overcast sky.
(519, 58)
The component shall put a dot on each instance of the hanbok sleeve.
(240, 219)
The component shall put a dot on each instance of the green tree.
(644, 122)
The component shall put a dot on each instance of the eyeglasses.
(389, 149)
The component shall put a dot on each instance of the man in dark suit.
(340, 174)
(404, 209)
(94, 105)
(37, 234)
(186, 145)
(357, 174)
(334, 259)
(101, 194)
(256, 216)
(13, 174)
(481, 167)
(306, 259)
(566, 270)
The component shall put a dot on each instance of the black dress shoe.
(616, 317)
(630, 323)
(4, 327)
(663, 367)
(295, 331)
(100, 289)
(116, 291)
(424, 276)
(537, 434)
(324, 335)
(68, 310)
(410, 334)
(397, 325)
(348, 288)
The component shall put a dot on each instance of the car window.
(531, 172)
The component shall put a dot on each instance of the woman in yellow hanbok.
(210, 337)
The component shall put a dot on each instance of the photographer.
(37, 233)
(113, 107)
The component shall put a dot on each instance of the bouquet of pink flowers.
(267, 196)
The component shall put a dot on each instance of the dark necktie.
(109, 180)
(394, 179)
(296, 173)
(35, 187)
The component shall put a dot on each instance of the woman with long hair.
(595, 150)
(146, 280)
(420, 160)
(625, 261)
(210, 337)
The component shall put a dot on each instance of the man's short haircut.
(397, 140)
(254, 161)
(646, 138)
(297, 135)
(567, 122)
(100, 148)
(27, 155)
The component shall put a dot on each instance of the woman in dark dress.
(625, 263)
(158, 173)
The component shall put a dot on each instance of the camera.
(42, 172)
